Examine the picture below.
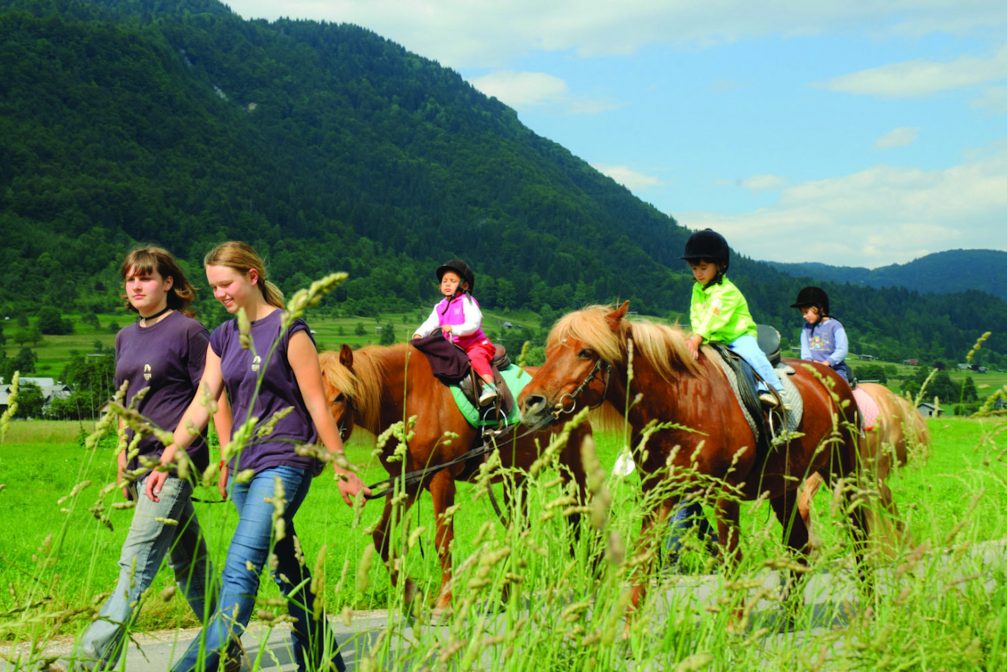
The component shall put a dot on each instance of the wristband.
(223, 463)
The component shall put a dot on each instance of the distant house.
(865, 357)
(911, 361)
(49, 387)
(928, 410)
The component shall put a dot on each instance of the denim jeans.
(147, 543)
(686, 515)
(748, 348)
(246, 556)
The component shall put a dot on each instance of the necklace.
(147, 318)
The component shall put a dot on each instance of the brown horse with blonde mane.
(377, 386)
(588, 357)
(898, 429)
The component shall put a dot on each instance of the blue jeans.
(246, 556)
(748, 348)
(147, 543)
(686, 515)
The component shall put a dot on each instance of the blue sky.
(849, 133)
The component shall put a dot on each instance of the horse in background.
(377, 386)
(704, 430)
(898, 429)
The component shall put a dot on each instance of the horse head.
(339, 382)
(582, 348)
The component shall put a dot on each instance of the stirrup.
(769, 400)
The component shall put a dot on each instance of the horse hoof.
(444, 601)
(409, 592)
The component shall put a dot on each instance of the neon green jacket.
(720, 312)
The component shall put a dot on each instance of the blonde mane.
(363, 384)
(664, 347)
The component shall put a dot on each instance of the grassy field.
(59, 562)
(330, 333)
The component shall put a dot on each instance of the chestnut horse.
(898, 428)
(587, 363)
(377, 386)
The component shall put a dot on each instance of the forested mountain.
(937, 273)
(329, 148)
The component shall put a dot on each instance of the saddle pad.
(515, 377)
(791, 397)
(869, 410)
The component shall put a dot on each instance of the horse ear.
(615, 317)
(346, 356)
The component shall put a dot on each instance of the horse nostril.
(533, 402)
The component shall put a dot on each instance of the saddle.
(452, 366)
(769, 342)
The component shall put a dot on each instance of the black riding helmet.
(459, 267)
(708, 244)
(812, 296)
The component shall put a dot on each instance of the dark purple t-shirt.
(241, 370)
(168, 358)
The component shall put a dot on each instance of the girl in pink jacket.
(458, 317)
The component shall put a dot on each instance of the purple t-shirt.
(168, 358)
(241, 371)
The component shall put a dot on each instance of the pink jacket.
(463, 315)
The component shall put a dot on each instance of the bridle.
(347, 400)
(600, 366)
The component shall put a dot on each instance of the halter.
(599, 365)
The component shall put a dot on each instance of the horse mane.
(663, 346)
(364, 383)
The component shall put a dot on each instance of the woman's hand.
(154, 483)
(350, 485)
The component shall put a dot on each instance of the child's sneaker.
(489, 393)
(769, 400)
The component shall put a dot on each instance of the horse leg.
(651, 533)
(728, 517)
(382, 538)
(442, 491)
(882, 517)
(795, 533)
(805, 495)
(573, 470)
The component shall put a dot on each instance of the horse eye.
(585, 354)
(339, 398)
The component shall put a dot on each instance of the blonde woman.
(261, 385)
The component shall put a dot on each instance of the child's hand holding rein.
(694, 342)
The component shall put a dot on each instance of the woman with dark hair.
(161, 358)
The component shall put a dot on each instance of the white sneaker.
(769, 400)
(489, 393)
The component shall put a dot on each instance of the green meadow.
(60, 562)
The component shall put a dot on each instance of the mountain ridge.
(942, 272)
(329, 147)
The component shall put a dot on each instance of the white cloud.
(763, 182)
(489, 33)
(897, 137)
(993, 99)
(922, 77)
(536, 89)
(522, 89)
(627, 177)
(876, 216)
